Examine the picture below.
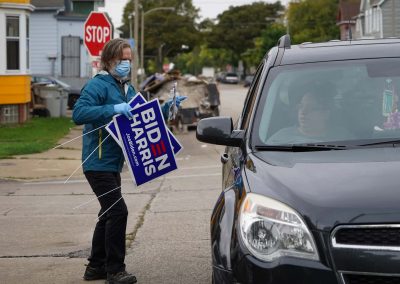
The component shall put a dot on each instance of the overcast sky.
(208, 8)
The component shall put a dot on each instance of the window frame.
(27, 23)
(13, 39)
(245, 118)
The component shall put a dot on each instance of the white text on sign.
(153, 138)
(97, 34)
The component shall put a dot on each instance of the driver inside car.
(314, 120)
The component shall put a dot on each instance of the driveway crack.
(130, 238)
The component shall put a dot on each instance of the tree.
(165, 31)
(193, 61)
(268, 39)
(313, 20)
(239, 26)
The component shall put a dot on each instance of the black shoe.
(95, 273)
(121, 277)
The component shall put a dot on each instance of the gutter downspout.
(67, 4)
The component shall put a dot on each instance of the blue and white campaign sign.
(145, 142)
(134, 103)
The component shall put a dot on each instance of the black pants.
(108, 243)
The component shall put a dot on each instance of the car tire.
(215, 279)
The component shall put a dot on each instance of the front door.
(71, 56)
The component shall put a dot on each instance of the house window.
(81, 7)
(9, 114)
(12, 38)
(27, 42)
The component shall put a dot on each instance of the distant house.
(378, 19)
(346, 17)
(57, 29)
(15, 94)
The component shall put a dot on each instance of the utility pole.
(142, 32)
(135, 62)
(130, 25)
(142, 45)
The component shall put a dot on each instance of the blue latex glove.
(124, 109)
(179, 99)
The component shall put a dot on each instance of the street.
(47, 224)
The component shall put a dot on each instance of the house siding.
(391, 18)
(44, 42)
(358, 31)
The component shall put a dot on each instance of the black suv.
(311, 172)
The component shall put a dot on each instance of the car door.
(233, 156)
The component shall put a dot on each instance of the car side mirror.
(219, 131)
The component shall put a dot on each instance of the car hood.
(328, 188)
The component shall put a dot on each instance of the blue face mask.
(123, 68)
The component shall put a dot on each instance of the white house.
(378, 19)
(57, 30)
(15, 94)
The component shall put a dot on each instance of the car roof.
(341, 50)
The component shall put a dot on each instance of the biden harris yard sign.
(134, 103)
(145, 143)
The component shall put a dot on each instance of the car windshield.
(347, 102)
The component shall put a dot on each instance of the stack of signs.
(148, 145)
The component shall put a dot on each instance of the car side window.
(251, 99)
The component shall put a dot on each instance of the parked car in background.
(230, 78)
(73, 93)
(248, 80)
(310, 175)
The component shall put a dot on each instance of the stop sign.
(98, 31)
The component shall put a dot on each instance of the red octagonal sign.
(98, 30)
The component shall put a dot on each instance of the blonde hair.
(112, 51)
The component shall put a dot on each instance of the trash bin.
(55, 100)
(64, 102)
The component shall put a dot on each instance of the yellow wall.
(16, 1)
(15, 89)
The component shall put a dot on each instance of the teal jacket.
(95, 108)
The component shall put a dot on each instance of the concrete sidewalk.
(53, 164)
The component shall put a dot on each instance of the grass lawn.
(35, 136)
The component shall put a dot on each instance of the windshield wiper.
(392, 142)
(301, 147)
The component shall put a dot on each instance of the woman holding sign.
(101, 98)
(104, 96)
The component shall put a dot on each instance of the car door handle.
(224, 158)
